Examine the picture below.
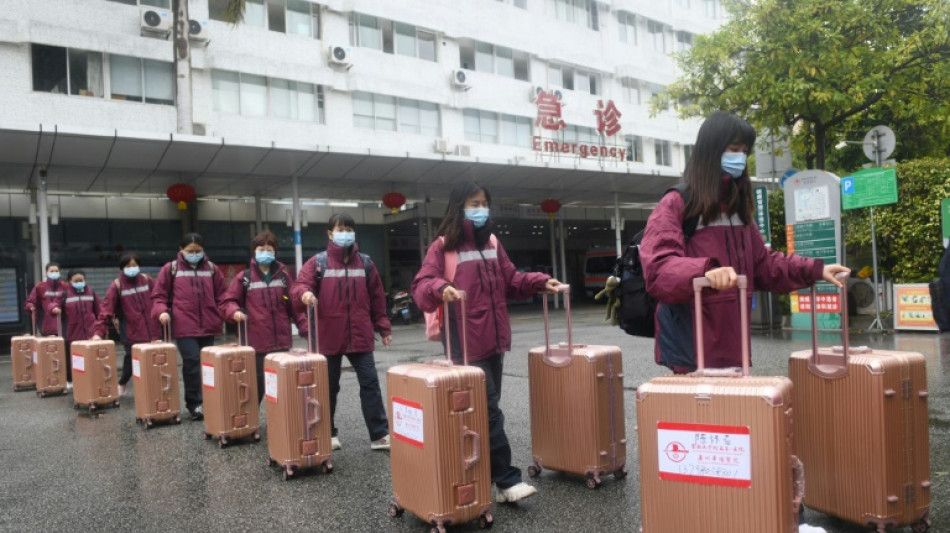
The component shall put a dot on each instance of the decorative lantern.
(181, 193)
(394, 201)
(551, 207)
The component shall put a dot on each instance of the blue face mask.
(344, 238)
(733, 163)
(53, 276)
(79, 285)
(478, 216)
(264, 258)
(131, 271)
(194, 258)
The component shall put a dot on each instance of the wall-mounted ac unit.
(204, 130)
(442, 146)
(155, 20)
(198, 31)
(861, 292)
(463, 150)
(460, 79)
(340, 56)
(535, 93)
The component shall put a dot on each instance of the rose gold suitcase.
(49, 360)
(155, 374)
(717, 453)
(297, 403)
(438, 422)
(229, 389)
(95, 384)
(577, 413)
(863, 432)
(22, 354)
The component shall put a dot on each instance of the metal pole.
(298, 239)
(877, 324)
(553, 262)
(617, 225)
(258, 213)
(41, 214)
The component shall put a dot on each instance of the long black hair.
(704, 169)
(189, 238)
(451, 226)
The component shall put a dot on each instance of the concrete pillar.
(43, 217)
(298, 238)
(258, 214)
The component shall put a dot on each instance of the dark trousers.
(126, 366)
(371, 397)
(503, 474)
(190, 350)
(69, 362)
(260, 376)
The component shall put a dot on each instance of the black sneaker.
(197, 413)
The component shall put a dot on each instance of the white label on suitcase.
(270, 384)
(136, 368)
(207, 375)
(705, 454)
(79, 363)
(35, 358)
(407, 421)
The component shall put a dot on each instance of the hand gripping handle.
(558, 356)
(825, 364)
(472, 460)
(315, 408)
(698, 285)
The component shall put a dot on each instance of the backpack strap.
(689, 223)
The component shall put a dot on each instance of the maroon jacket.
(197, 294)
(134, 297)
(488, 278)
(269, 311)
(670, 263)
(349, 306)
(80, 309)
(43, 292)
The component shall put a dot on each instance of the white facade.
(539, 35)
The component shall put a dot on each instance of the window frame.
(318, 93)
(627, 23)
(663, 153)
(67, 58)
(634, 144)
(401, 106)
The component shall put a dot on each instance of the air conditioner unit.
(198, 31)
(460, 79)
(463, 150)
(155, 20)
(535, 93)
(861, 293)
(442, 146)
(204, 130)
(340, 56)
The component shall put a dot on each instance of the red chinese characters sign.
(549, 117)
(608, 118)
(549, 112)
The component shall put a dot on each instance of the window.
(574, 79)
(67, 71)
(663, 156)
(141, 80)
(484, 57)
(386, 36)
(387, 113)
(164, 4)
(516, 131)
(634, 148)
(627, 22)
(492, 128)
(684, 41)
(576, 11)
(255, 12)
(581, 135)
(298, 17)
(631, 90)
(687, 152)
(656, 37)
(258, 96)
(712, 8)
(303, 18)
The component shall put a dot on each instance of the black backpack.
(637, 306)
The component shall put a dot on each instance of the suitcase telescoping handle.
(242, 332)
(312, 328)
(167, 332)
(33, 320)
(698, 285)
(448, 329)
(832, 365)
(558, 356)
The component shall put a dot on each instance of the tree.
(819, 69)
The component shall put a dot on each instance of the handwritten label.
(207, 375)
(79, 363)
(270, 384)
(407, 422)
(136, 368)
(705, 454)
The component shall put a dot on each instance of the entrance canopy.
(98, 162)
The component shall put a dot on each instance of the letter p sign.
(847, 186)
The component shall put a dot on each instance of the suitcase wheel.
(148, 423)
(76, 406)
(923, 525)
(326, 467)
(222, 442)
(270, 462)
(205, 436)
(395, 511)
(620, 473)
(593, 482)
(486, 521)
(178, 419)
(287, 473)
(92, 407)
(257, 436)
(534, 471)
(116, 404)
(437, 529)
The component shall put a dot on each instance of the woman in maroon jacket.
(346, 288)
(726, 243)
(128, 299)
(188, 292)
(488, 278)
(51, 289)
(261, 296)
(80, 306)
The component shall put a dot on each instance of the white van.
(598, 266)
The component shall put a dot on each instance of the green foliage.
(777, 220)
(821, 70)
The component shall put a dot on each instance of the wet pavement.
(67, 471)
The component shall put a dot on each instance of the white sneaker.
(381, 444)
(335, 443)
(69, 386)
(121, 391)
(805, 528)
(514, 493)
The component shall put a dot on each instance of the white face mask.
(344, 238)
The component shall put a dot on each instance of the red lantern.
(394, 201)
(181, 193)
(551, 207)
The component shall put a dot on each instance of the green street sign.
(945, 220)
(762, 214)
(869, 187)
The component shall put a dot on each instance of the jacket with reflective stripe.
(43, 292)
(268, 313)
(349, 306)
(488, 278)
(81, 311)
(134, 297)
(196, 301)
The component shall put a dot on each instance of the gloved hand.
(613, 302)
